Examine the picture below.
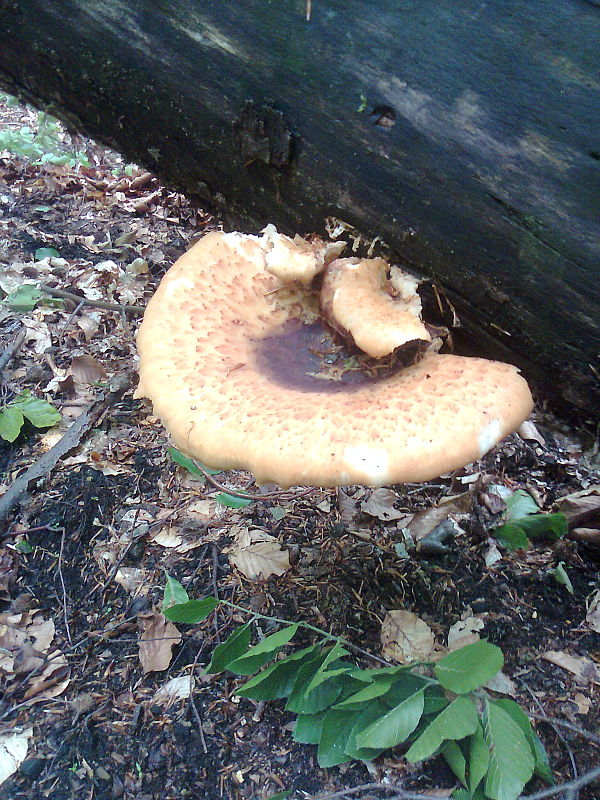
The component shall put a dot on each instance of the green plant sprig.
(353, 713)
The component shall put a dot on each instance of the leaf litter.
(337, 565)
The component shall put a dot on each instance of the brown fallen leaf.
(582, 510)
(593, 615)
(13, 751)
(406, 638)
(258, 555)
(456, 508)
(157, 639)
(464, 632)
(580, 666)
(381, 505)
(87, 370)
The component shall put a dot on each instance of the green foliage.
(231, 501)
(42, 146)
(522, 523)
(26, 406)
(561, 575)
(351, 713)
(223, 498)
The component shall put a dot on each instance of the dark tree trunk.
(465, 134)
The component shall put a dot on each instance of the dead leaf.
(258, 555)
(157, 639)
(13, 751)
(593, 615)
(582, 667)
(406, 638)
(381, 505)
(464, 632)
(87, 370)
(582, 510)
(582, 702)
(133, 580)
(529, 433)
(502, 684)
(178, 688)
(89, 323)
(347, 507)
(456, 508)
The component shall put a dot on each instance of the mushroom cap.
(227, 357)
(356, 299)
(296, 259)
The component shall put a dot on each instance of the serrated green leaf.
(479, 758)
(308, 728)
(395, 726)
(511, 760)
(11, 422)
(456, 760)
(231, 501)
(38, 412)
(25, 298)
(516, 713)
(456, 721)
(278, 679)
(469, 667)
(192, 612)
(561, 575)
(187, 463)
(334, 735)
(236, 644)
(174, 593)
(262, 652)
(512, 536)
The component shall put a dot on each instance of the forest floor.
(84, 551)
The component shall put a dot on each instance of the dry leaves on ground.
(381, 505)
(258, 555)
(583, 668)
(157, 639)
(593, 615)
(406, 638)
(13, 751)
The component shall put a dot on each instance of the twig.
(248, 495)
(13, 348)
(198, 719)
(578, 783)
(592, 737)
(62, 583)
(76, 298)
(71, 439)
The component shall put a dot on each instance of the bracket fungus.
(243, 372)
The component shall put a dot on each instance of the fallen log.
(465, 135)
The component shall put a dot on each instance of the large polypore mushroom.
(243, 373)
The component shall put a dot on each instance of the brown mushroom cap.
(357, 300)
(229, 358)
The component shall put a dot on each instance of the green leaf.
(516, 713)
(511, 760)
(469, 667)
(42, 209)
(303, 678)
(278, 679)
(233, 647)
(479, 758)
(456, 760)
(25, 298)
(187, 463)
(561, 575)
(404, 688)
(232, 502)
(456, 721)
(46, 252)
(520, 504)
(38, 412)
(435, 701)
(546, 526)
(395, 726)
(463, 794)
(24, 547)
(192, 612)
(370, 692)
(280, 795)
(174, 593)
(308, 728)
(362, 720)
(262, 652)
(512, 536)
(11, 422)
(334, 735)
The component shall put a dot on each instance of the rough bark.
(466, 135)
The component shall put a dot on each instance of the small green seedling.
(522, 522)
(26, 406)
